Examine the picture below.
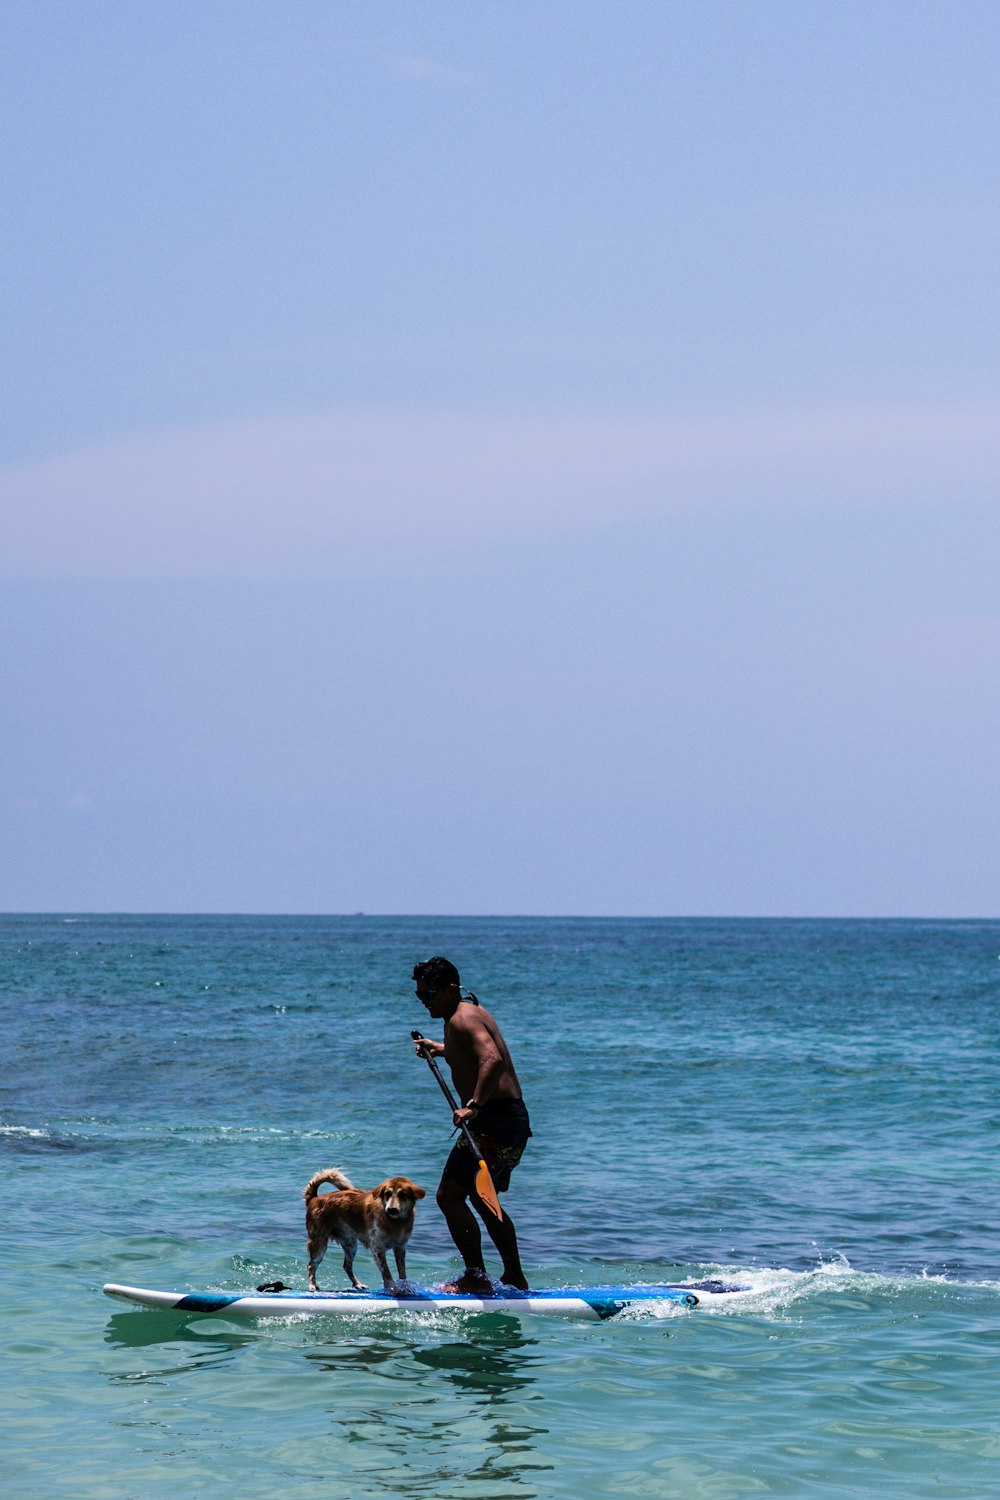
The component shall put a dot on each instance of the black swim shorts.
(501, 1130)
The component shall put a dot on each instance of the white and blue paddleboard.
(564, 1302)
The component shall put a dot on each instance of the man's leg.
(504, 1236)
(464, 1230)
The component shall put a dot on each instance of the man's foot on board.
(472, 1283)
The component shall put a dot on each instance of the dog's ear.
(419, 1192)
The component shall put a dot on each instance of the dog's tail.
(332, 1174)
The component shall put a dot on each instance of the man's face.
(436, 1002)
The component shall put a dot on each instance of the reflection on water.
(141, 1330)
(205, 1344)
(409, 1398)
(475, 1368)
(463, 1412)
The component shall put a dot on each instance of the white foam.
(773, 1291)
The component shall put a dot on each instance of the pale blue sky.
(500, 458)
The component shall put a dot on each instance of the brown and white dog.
(382, 1220)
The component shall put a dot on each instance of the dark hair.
(436, 973)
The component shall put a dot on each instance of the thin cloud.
(427, 70)
(321, 495)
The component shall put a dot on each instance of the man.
(492, 1109)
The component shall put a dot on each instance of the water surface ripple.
(809, 1106)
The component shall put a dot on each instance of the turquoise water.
(811, 1107)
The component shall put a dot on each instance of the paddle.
(485, 1190)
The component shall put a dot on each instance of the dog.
(381, 1220)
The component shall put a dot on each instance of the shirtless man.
(492, 1108)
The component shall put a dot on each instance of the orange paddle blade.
(485, 1190)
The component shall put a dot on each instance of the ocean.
(810, 1108)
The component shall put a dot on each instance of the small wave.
(772, 1291)
(655, 1310)
(777, 1291)
(29, 1139)
(201, 1132)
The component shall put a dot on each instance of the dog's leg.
(350, 1247)
(378, 1255)
(400, 1253)
(317, 1249)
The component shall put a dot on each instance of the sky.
(520, 458)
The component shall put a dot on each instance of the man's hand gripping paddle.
(485, 1190)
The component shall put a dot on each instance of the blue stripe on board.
(615, 1296)
(206, 1301)
(605, 1307)
(606, 1301)
(619, 1294)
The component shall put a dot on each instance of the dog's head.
(397, 1197)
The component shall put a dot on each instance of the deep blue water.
(811, 1106)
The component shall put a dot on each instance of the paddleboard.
(592, 1302)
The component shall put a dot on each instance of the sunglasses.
(426, 994)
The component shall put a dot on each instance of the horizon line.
(81, 912)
